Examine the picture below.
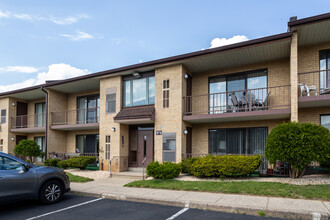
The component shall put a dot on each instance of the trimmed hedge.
(186, 164)
(225, 166)
(51, 162)
(77, 162)
(166, 170)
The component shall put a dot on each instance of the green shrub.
(166, 170)
(225, 166)
(28, 148)
(298, 145)
(77, 162)
(51, 162)
(186, 164)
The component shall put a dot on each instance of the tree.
(298, 145)
(28, 148)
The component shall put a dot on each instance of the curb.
(203, 206)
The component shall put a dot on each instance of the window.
(41, 142)
(3, 116)
(166, 93)
(40, 116)
(107, 147)
(237, 141)
(325, 121)
(87, 144)
(9, 164)
(139, 91)
(325, 66)
(1, 145)
(111, 103)
(220, 88)
(88, 109)
(169, 146)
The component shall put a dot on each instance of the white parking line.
(179, 212)
(60, 210)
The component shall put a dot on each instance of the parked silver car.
(21, 180)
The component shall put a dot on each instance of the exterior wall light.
(186, 76)
(113, 129)
(13, 103)
(137, 75)
(185, 131)
(12, 139)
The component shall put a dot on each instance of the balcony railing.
(28, 121)
(238, 101)
(73, 117)
(314, 83)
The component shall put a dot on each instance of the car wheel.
(51, 192)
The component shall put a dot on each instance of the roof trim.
(317, 18)
(161, 61)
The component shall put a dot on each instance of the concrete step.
(136, 169)
(129, 175)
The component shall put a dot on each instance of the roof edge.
(159, 61)
(308, 20)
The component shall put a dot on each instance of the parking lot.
(78, 207)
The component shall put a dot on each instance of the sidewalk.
(272, 206)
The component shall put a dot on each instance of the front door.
(145, 148)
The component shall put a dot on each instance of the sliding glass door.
(41, 142)
(88, 144)
(88, 109)
(325, 66)
(40, 114)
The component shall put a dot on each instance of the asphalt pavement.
(79, 207)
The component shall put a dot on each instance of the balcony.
(242, 105)
(28, 123)
(314, 88)
(80, 119)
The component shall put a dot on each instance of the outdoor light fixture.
(113, 129)
(12, 139)
(186, 76)
(13, 103)
(137, 75)
(185, 131)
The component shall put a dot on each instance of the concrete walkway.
(272, 206)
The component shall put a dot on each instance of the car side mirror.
(27, 167)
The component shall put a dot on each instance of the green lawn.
(78, 179)
(244, 187)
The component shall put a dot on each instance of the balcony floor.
(239, 116)
(314, 101)
(28, 130)
(87, 126)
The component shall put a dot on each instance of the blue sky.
(44, 39)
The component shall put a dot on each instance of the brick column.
(294, 77)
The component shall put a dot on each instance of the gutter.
(46, 123)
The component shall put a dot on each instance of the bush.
(186, 164)
(77, 162)
(298, 145)
(51, 162)
(225, 166)
(167, 170)
(28, 148)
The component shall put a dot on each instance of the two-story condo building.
(223, 100)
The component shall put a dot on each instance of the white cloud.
(56, 20)
(218, 42)
(68, 20)
(79, 35)
(20, 69)
(58, 71)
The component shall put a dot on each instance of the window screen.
(111, 103)
(3, 116)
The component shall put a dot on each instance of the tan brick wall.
(294, 77)
(308, 59)
(312, 114)
(117, 151)
(200, 131)
(169, 119)
(4, 132)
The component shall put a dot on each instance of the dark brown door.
(189, 142)
(145, 148)
(18, 139)
(21, 119)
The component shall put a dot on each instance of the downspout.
(46, 123)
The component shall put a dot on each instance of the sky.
(49, 40)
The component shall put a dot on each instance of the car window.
(9, 164)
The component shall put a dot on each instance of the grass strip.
(78, 179)
(241, 187)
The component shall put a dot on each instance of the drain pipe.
(46, 122)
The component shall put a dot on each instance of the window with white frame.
(107, 147)
(325, 121)
(111, 100)
(3, 116)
